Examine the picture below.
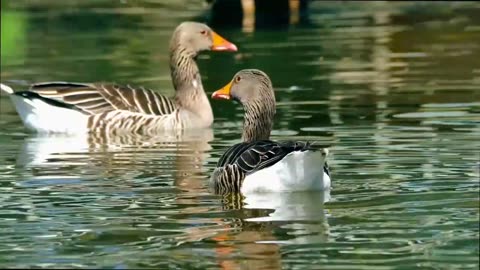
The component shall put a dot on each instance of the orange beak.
(221, 44)
(223, 93)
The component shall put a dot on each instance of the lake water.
(392, 88)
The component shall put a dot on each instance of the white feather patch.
(42, 117)
(6, 88)
(298, 171)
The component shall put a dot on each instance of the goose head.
(253, 89)
(196, 37)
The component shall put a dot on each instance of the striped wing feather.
(254, 156)
(99, 98)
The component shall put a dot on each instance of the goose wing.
(98, 98)
(254, 156)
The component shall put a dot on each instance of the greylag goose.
(258, 164)
(66, 107)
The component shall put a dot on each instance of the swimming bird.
(68, 107)
(258, 164)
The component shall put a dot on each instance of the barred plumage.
(258, 158)
(228, 179)
(98, 98)
(103, 107)
(117, 122)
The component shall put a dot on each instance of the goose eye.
(237, 79)
(203, 32)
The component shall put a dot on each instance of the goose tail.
(313, 170)
(41, 115)
(6, 88)
(298, 171)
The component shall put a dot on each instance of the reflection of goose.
(258, 215)
(288, 206)
(258, 164)
(303, 212)
(279, 206)
(96, 107)
(83, 156)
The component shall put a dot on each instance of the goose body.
(258, 164)
(268, 166)
(37, 114)
(63, 107)
(297, 171)
(66, 107)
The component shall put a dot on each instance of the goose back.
(100, 98)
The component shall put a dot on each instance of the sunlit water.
(393, 89)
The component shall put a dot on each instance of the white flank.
(42, 117)
(298, 171)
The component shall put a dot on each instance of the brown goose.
(258, 164)
(96, 107)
